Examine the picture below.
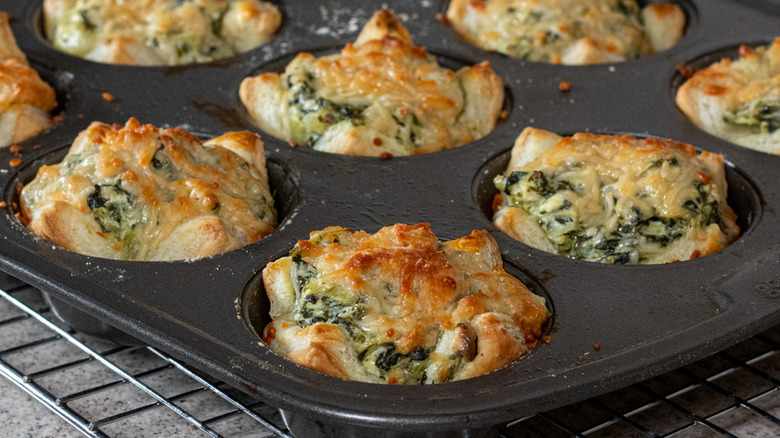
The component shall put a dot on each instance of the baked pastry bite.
(380, 95)
(571, 32)
(158, 32)
(614, 198)
(738, 100)
(26, 101)
(399, 306)
(142, 193)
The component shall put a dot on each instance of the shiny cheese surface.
(380, 95)
(615, 199)
(399, 306)
(158, 32)
(738, 100)
(142, 193)
(567, 31)
(26, 101)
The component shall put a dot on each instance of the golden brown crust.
(444, 311)
(567, 31)
(158, 32)
(380, 95)
(717, 93)
(25, 99)
(142, 193)
(615, 199)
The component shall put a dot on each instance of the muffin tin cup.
(611, 326)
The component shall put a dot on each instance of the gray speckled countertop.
(23, 416)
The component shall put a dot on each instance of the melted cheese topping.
(142, 193)
(158, 32)
(399, 307)
(615, 199)
(738, 100)
(25, 99)
(381, 95)
(566, 31)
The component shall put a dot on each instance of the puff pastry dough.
(614, 199)
(158, 32)
(738, 100)
(381, 94)
(399, 306)
(142, 193)
(25, 99)
(568, 31)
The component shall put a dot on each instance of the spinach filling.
(320, 301)
(311, 115)
(761, 116)
(380, 359)
(547, 199)
(163, 164)
(113, 209)
(629, 8)
(409, 131)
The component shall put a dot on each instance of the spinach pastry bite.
(380, 95)
(614, 199)
(399, 306)
(571, 32)
(142, 193)
(158, 32)
(26, 101)
(738, 100)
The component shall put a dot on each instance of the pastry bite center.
(738, 100)
(566, 31)
(614, 199)
(380, 95)
(399, 306)
(158, 32)
(143, 193)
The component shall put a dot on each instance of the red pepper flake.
(270, 334)
(108, 97)
(443, 18)
(214, 185)
(392, 380)
(597, 346)
(293, 144)
(684, 71)
(390, 332)
(385, 156)
(15, 149)
(564, 86)
(377, 141)
(703, 177)
(695, 254)
(745, 51)
(15, 162)
(3, 204)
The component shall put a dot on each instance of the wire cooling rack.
(104, 390)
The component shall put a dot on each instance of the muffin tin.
(611, 326)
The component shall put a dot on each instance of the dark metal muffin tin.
(612, 325)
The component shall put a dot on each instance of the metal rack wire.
(107, 391)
